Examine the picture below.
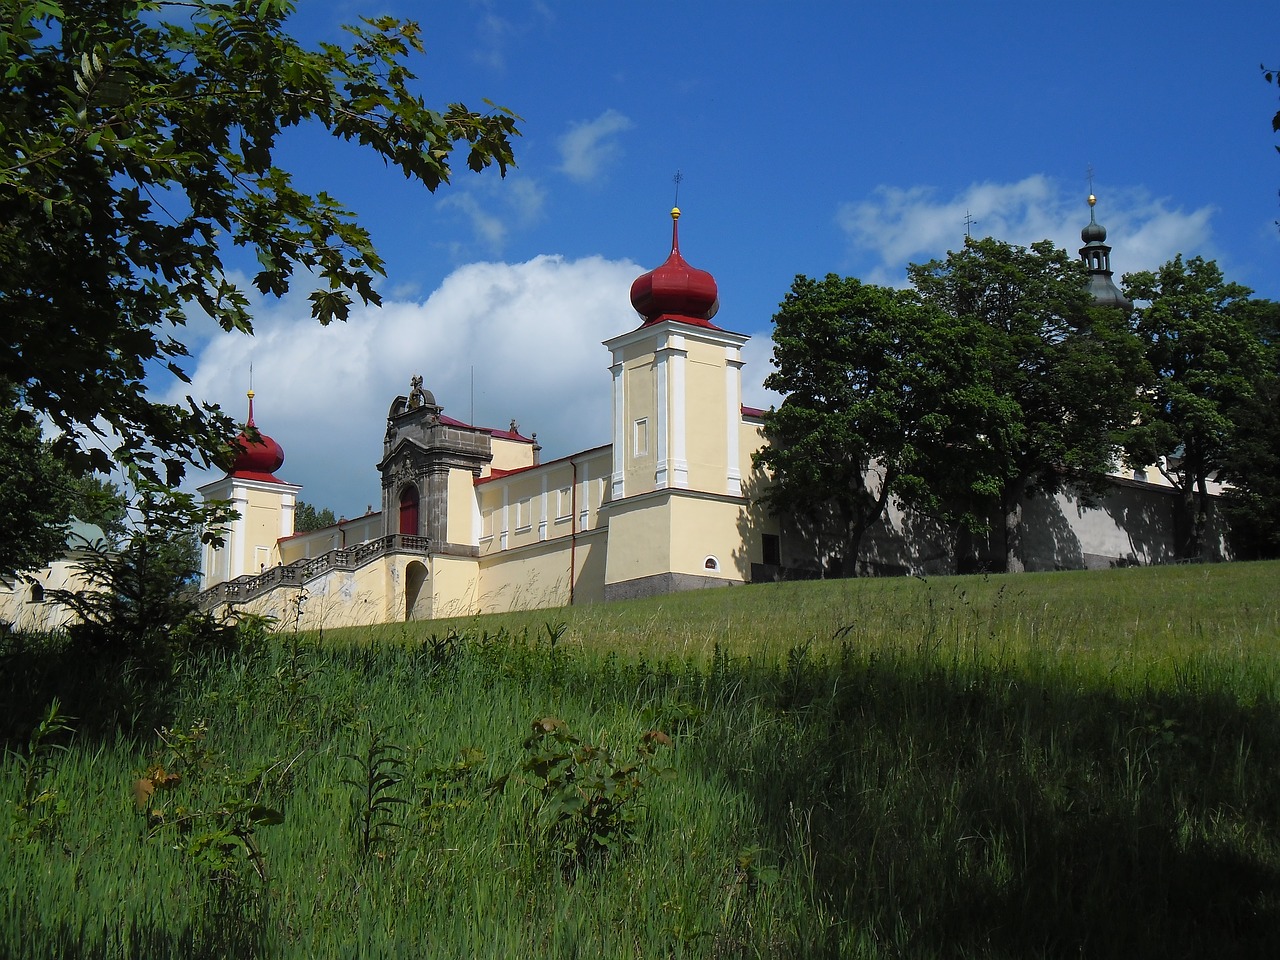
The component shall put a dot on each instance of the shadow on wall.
(1049, 541)
(907, 542)
(1149, 515)
(1146, 516)
(754, 523)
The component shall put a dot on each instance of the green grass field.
(1048, 765)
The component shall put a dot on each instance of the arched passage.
(409, 511)
(417, 599)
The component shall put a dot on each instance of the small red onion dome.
(258, 457)
(675, 290)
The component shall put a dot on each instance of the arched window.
(37, 593)
(409, 511)
(711, 563)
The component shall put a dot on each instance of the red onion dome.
(676, 290)
(258, 457)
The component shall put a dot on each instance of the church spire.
(1097, 257)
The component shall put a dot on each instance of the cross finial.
(969, 223)
(676, 180)
(1088, 173)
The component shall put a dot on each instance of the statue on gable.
(417, 396)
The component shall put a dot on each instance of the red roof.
(500, 434)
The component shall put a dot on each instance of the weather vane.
(968, 225)
(676, 180)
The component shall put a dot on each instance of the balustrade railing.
(301, 572)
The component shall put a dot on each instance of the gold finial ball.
(1092, 199)
(250, 394)
(675, 213)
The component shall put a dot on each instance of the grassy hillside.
(1050, 765)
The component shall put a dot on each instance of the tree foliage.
(306, 517)
(876, 397)
(137, 592)
(1251, 464)
(1062, 373)
(1201, 337)
(35, 491)
(138, 145)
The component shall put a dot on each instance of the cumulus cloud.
(492, 213)
(897, 226)
(757, 356)
(590, 144)
(532, 331)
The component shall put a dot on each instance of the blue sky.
(812, 138)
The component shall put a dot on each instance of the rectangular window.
(640, 438)
(564, 503)
(523, 514)
(486, 523)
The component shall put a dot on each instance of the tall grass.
(1051, 765)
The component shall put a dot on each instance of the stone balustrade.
(301, 572)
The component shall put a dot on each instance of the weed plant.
(1055, 765)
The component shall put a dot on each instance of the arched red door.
(409, 511)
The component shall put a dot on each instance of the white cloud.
(493, 212)
(897, 226)
(532, 330)
(590, 144)
(757, 355)
(488, 227)
(492, 34)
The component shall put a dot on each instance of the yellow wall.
(509, 455)
(525, 579)
(455, 581)
(705, 411)
(19, 611)
(461, 507)
(589, 562)
(545, 517)
(640, 390)
(639, 537)
(705, 527)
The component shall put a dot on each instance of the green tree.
(138, 591)
(138, 146)
(1251, 462)
(35, 491)
(100, 502)
(1063, 376)
(1202, 342)
(306, 517)
(877, 397)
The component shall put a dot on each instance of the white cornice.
(677, 328)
